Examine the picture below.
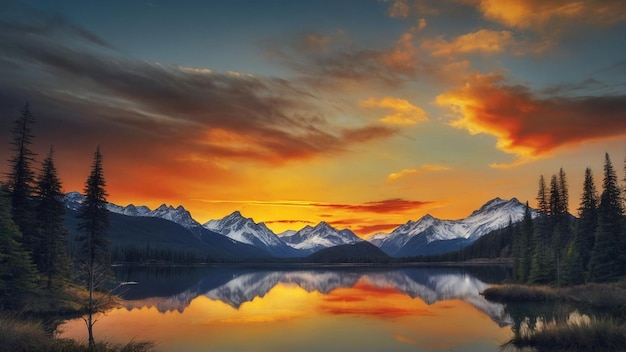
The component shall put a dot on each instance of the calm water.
(329, 309)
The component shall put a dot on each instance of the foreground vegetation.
(20, 334)
(39, 277)
(572, 327)
(582, 335)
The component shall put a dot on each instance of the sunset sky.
(361, 113)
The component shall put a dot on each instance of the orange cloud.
(405, 113)
(381, 207)
(421, 169)
(403, 56)
(537, 14)
(530, 126)
(484, 41)
(388, 206)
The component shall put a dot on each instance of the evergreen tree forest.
(34, 254)
(557, 248)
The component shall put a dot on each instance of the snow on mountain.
(312, 239)
(179, 215)
(73, 200)
(286, 233)
(377, 238)
(495, 214)
(242, 229)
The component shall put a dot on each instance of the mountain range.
(430, 235)
(238, 235)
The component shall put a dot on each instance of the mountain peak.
(323, 225)
(236, 213)
(495, 204)
(239, 228)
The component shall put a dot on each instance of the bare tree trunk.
(90, 322)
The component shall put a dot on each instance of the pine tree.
(542, 198)
(21, 177)
(522, 247)
(622, 239)
(605, 261)
(561, 226)
(542, 268)
(94, 243)
(588, 220)
(17, 273)
(51, 256)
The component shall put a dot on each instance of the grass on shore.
(19, 334)
(23, 328)
(584, 335)
(592, 334)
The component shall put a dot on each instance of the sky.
(364, 114)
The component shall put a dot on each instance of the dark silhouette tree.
(541, 269)
(560, 226)
(20, 179)
(51, 257)
(604, 264)
(94, 242)
(588, 221)
(522, 247)
(17, 273)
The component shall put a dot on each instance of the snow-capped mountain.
(245, 230)
(312, 239)
(430, 235)
(377, 238)
(179, 215)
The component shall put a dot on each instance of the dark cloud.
(156, 116)
(341, 64)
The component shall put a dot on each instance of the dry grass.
(21, 335)
(582, 335)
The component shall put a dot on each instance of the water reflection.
(238, 286)
(330, 309)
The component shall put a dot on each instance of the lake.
(305, 309)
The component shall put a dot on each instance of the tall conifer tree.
(541, 269)
(605, 262)
(21, 176)
(51, 256)
(588, 220)
(94, 240)
(17, 273)
(522, 247)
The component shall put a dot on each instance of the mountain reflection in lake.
(330, 309)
